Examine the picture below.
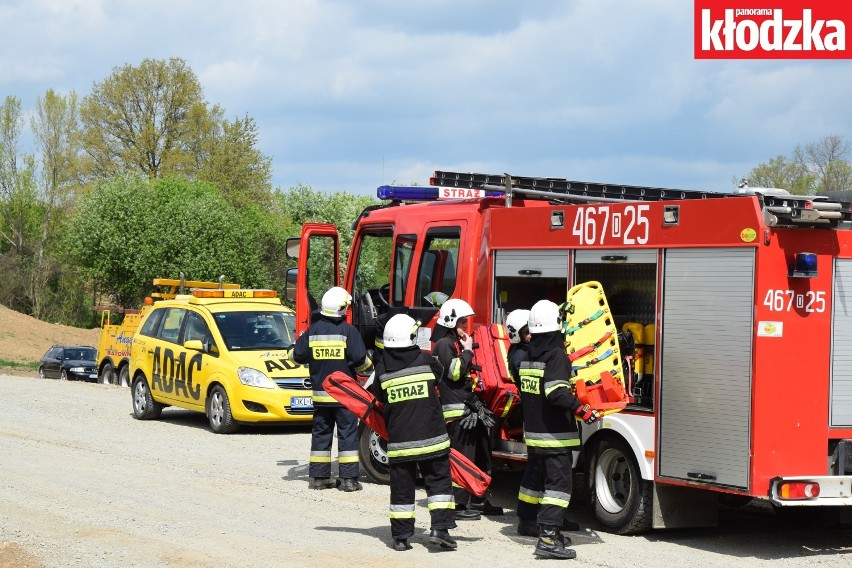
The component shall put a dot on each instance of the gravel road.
(84, 484)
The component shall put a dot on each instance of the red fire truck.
(746, 390)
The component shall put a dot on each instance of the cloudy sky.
(349, 95)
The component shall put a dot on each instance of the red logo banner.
(772, 29)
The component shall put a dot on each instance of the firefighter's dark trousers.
(553, 472)
(475, 445)
(325, 418)
(436, 476)
(531, 490)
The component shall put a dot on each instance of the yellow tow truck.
(115, 338)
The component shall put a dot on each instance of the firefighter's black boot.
(550, 545)
(320, 483)
(401, 544)
(465, 514)
(527, 528)
(350, 484)
(486, 508)
(442, 538)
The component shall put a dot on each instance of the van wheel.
(620, 499)
(107, 376)
(373, 454)
(124, 376)
(144, 405)
(41, 373)
(63, 375)
(219, 412)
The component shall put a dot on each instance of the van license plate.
(301, 402)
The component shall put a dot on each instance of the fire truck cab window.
(437, 272)
(403, 253)
(371, 294)
(320, 273)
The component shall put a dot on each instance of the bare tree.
(817, 167)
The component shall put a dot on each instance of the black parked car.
(69, 362)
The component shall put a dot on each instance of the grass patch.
(31, 366)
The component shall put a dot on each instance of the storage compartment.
(629, 280)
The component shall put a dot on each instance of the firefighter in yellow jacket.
(330, 344)
(405, 382)
(550, 427)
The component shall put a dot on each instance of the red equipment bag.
(349, 392)
(465, 473)
(492, 380)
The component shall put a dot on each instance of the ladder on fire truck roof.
(779, 207)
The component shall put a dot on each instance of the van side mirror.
(292, 247)
(290, 281)
(194, 344)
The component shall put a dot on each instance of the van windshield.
(244, 331)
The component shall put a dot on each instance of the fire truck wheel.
(219, 412)
(144, 405)
(620, 499)
(124, 376)
(107, 376)
(373, 453)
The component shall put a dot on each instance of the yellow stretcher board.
(591, 340)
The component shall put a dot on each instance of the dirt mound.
(24, 339)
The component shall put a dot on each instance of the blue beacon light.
(804, 265)
(430, 193)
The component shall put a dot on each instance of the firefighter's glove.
(468, 420)
(466, 342)
(486, 417)
(586, 414)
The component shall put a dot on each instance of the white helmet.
(400, 331)
(515, 322)
(545, 317)
(335, 302)
(451, 311)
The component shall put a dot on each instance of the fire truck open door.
(319, 270)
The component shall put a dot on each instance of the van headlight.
(76, 370)
(254, 378)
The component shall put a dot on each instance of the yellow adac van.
(225, 353)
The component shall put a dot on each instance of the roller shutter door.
(841, 340)
(544, 263)
(705, 383)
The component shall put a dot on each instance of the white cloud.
(603, 89)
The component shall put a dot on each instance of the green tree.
(828, 161)
(816, 167)
(780, 172)
(130, 230)
(145, 119)
(303, 204)
(54, 126)
(17, 180)
(232, 162)
(19, 209)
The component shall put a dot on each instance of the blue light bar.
(431, 193)
(804, 265)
